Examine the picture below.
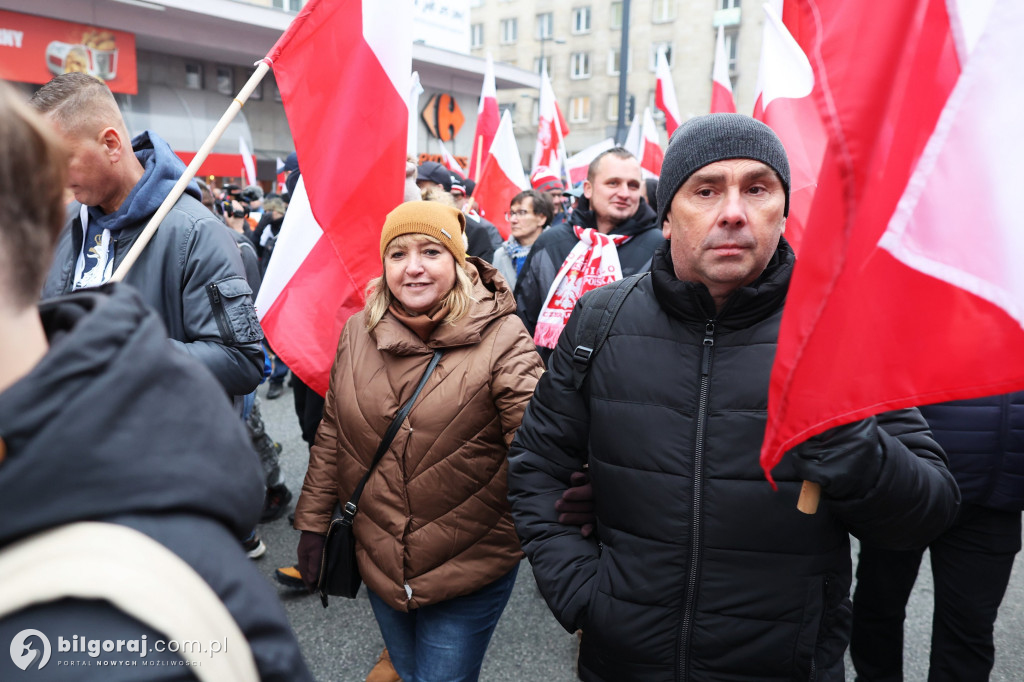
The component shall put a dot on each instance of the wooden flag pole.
(479, 156)
(810, 494)
(204, 151)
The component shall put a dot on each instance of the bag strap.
(602, 305)
(350, 508)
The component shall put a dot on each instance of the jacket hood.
(114, 420)
(494, 299)
(641, 221)
(162, 170)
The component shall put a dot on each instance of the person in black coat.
(697, 569)
(971, 562)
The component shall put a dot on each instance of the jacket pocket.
(231, 300)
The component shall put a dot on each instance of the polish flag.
(578, 164)
(415, 90)
(665, 94)
(633, 143)
(448, 160)
(248, 164)
(722, 101)
(651, 154)
(486, 122)
(909, 287)
(279, 186)
(502, 178)
(318, 275)
(551, 128)
(783, 101)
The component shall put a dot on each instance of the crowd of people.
(589, 392)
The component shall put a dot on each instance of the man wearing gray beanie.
(696, 569)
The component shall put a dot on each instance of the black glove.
(576, 506)
(310, 552)
(845, 460)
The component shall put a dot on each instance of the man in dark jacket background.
(614, 206)
(190, 273)
(100, 422)
(697, 569)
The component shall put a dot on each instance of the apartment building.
(579, 42)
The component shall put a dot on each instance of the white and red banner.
(722, 101)
(279, 185)
(650, 146)
(783, 101)
(248, 162)
(578, 164)
(415, 90)
(448, 160)
(908, 288)
(551, 129)
(502, 178)
(329, 247)
(665, 94)
(487, 119)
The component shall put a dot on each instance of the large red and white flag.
(551, 128)
(651, 154)
(282, 175)
(722, 101)
(665, 94)
(908, 288)
(578, 164)
(329, 246)
(248, 162)
(502, 178)
(448, 160)
(487, 119)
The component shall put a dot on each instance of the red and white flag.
(448, 160)
(333, 51)
(908, 289)
(651, 154)
(487, 119)
(665, 94)
(722, 101)
(578, 164)
(783, 101)
(248, 162)
(282, 175)
(502, 178)
(551, 128)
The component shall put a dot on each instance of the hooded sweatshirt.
(112, 426)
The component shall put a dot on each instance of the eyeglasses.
(517, 214)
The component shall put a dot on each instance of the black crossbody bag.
(339, 574)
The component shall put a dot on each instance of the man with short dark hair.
(190, 273)
(613, 235)
(697, 569)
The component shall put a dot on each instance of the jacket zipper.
(686, 625)
(821, 627)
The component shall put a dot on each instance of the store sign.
(443, 116)
(34, 50)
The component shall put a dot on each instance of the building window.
(613, 62)
(540, 64)
(545, 25)
(579, 65)
(290, 5)
(225, 80)
(510, 107)
(616, 18)
(476, 35)
(613, 107)
(729, 38)
(535, 113)
(663, 10)
(579, 109)
(728, 4)
(194, 76)
(655, 48)
(509, 31)
(581, 20)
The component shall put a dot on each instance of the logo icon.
(24, 654)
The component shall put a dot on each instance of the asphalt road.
(341, 643)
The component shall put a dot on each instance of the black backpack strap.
(596, 321)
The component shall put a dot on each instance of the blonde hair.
(379, 297)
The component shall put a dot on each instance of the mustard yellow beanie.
(443, 223)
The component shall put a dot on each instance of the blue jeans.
(443, 642)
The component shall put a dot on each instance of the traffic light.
(630, 107)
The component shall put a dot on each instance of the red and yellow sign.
(443, 116)
(35, 49)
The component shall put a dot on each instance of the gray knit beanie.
(717, 137)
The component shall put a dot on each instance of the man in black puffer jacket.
(613, 206)
(699, 570)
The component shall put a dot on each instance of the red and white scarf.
(592, 263)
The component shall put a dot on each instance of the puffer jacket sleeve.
(219, 319)
(915, 498)
(550, 445)
(320, 488)
(514, 373)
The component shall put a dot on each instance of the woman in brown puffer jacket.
(435, 542)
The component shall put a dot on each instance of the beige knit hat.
(443, 223)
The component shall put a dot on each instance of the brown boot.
(383, 671)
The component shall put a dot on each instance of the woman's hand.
(310, 552)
